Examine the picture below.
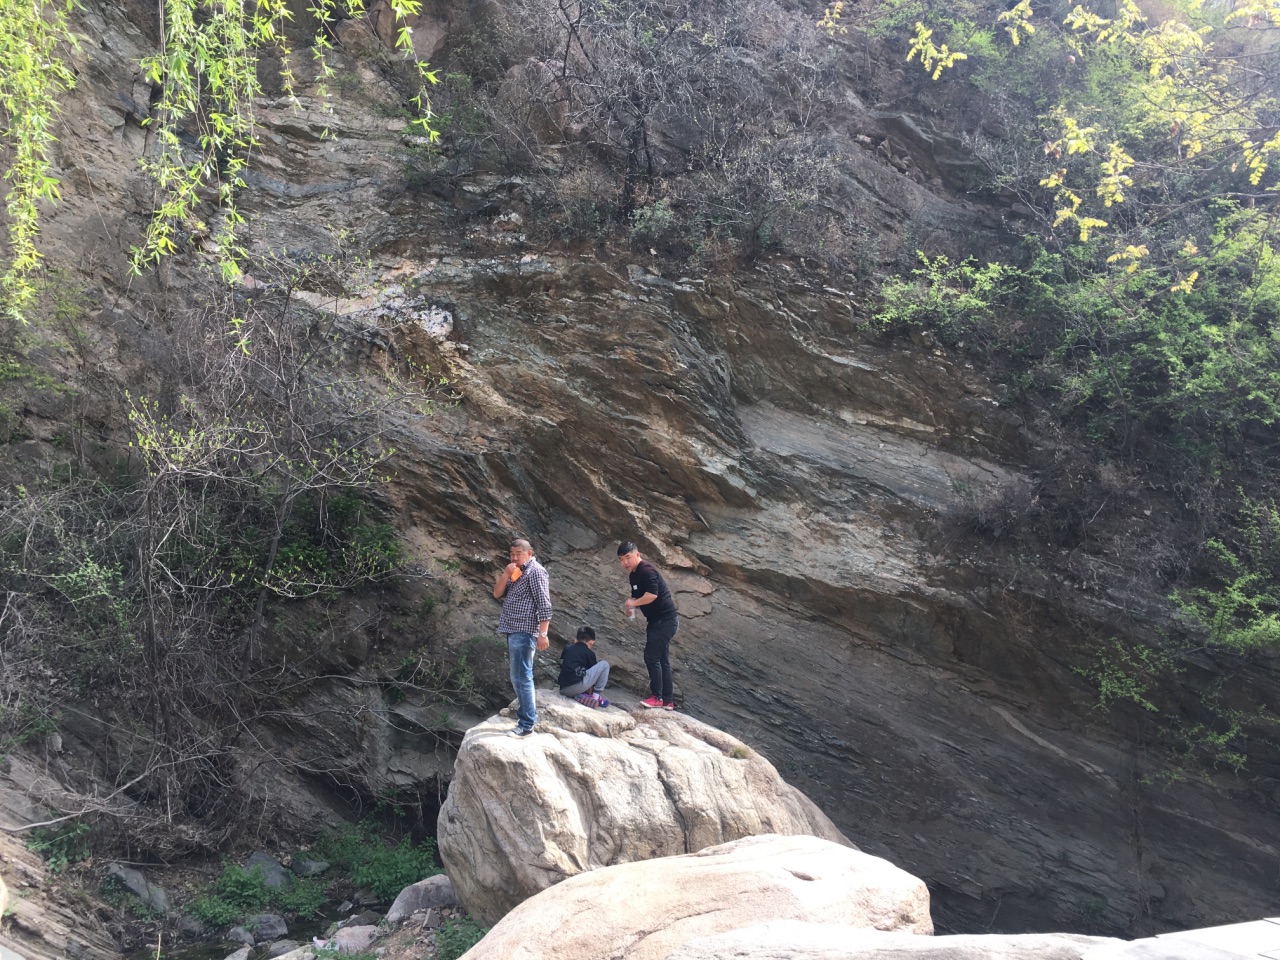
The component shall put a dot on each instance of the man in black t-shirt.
(650, 595)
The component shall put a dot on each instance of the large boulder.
(798, 940)
(595, 788)
(645, 911)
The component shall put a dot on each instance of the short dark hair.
(586, 633)
(625, 547)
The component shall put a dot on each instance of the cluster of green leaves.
(209, 77)
(330, 542)
(360, 852)
(1243, 611)
(952, 301)
(62, 845)
(456, 937)
(207, 71)
(238, 893)
(33, 78)
(1148, 304)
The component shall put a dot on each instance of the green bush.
(456, 937)
(235, 894)
(389, 870)
(303, 898)
(61, 846)
(360, 852)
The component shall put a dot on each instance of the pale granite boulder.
(595, 788)
(800, 940)
(648, 910)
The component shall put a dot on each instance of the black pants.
(657, 655)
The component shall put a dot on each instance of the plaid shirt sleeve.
(540, 587)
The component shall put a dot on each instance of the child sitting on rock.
(582, 676)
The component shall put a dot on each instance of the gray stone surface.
(241, 954)
(241, 935)
(354, 939)
(432, 892)
(1162, 949)
(267, 926)
(281, 947)
(137, 884)
(308, 868)
(647, 910)
(797, 940)
(273, 873)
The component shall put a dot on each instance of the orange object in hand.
(515, 574)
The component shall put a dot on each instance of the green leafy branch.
(33, 78)
(207, 73)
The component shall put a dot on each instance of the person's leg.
(574, 689)
(654, 654)
(661, 634)
(520, 650)
(597, 677)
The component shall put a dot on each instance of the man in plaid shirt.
(525, 591)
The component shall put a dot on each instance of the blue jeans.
(520, 650)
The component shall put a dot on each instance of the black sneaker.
(520, 732)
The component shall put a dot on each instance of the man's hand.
(504, 580)
(543, 642)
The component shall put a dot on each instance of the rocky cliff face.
(791, 471)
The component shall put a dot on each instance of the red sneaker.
(653, 703)
(668, 705)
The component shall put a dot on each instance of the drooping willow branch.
(206, 72)
(33, 78)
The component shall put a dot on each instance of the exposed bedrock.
(787, 467)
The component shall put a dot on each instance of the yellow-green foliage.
(207, 72)
(33, 77)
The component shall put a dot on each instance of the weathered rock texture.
(644, 911)
(39, 924)
(791, 470)
(593, 788)
(797, 940)
(423, 895)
